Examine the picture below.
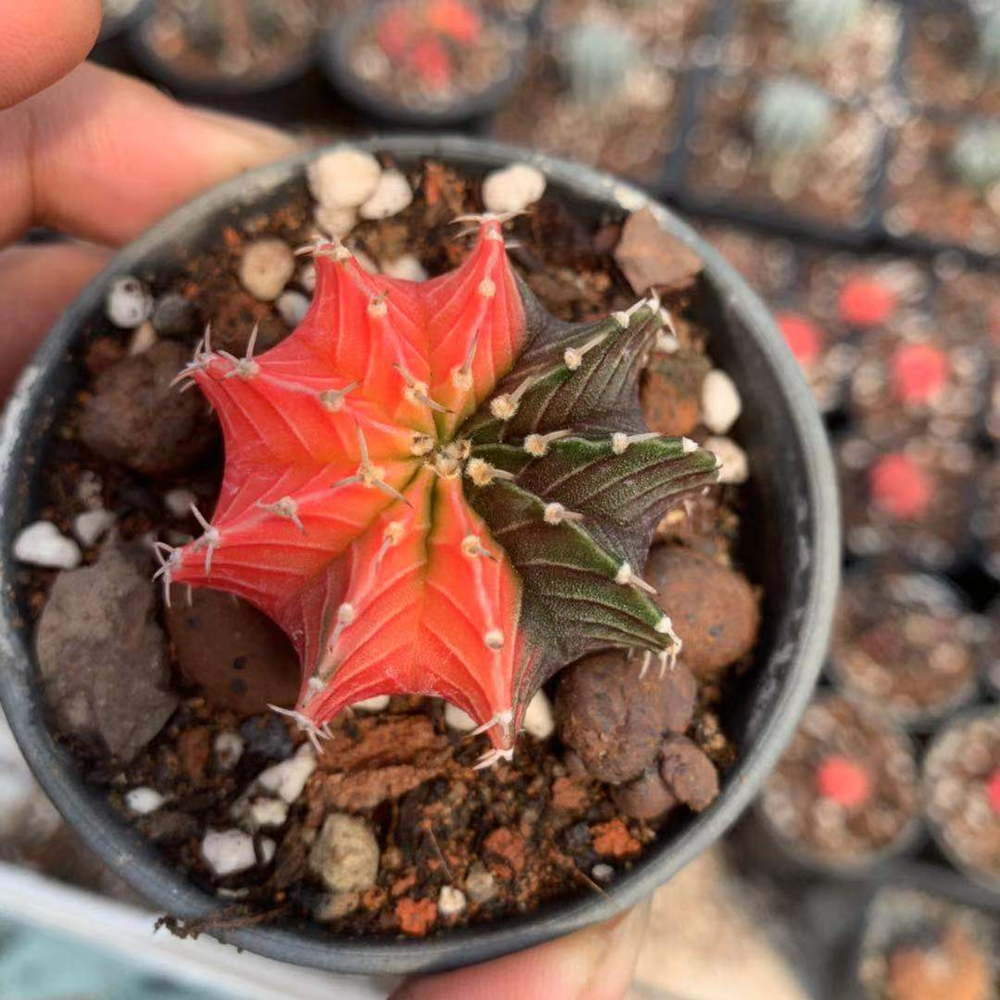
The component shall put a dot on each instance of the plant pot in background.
(792, 551)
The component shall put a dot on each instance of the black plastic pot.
(335, 62)
(792, 550)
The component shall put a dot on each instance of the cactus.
(975, 156)
(439, 489)
(598, 57)
(790, 117)
(986, 14)
(815, 23)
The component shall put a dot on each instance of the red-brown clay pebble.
(614, 719)
(671, 392)
(416, 916)
(506, 846)
(689, 773)
(613, 840)
(645, 798)
(568, 794)
(713, 609)
(236, 655)
(194, 748)
(138, 418)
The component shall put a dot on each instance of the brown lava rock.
(645, 798)
(671, 392)
(234, 653)
(714, 609)
(651, 258)
(614, 719)
(138, 418)
(102, 657)
(506, 846)
(688, 773)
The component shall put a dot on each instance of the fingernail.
(272, 141)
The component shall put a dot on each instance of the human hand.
(93, 154)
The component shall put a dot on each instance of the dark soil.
(510, 837)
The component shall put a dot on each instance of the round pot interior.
(791, 549)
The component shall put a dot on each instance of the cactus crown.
(439, 489)
(975, 156)
(598, 56)
(790, 117)
(814, 23)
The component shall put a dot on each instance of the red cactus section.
(864, 301)
(993, 791)
(900, 488)
(843, 781)
(803, 336)
(919, 372)
(343, 485)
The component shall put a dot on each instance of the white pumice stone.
(143, 339)
(128, 302)
(343, 177)
(407, 267)
(143, 801)
(720, 401)
(266, 266)
(307, 278)
(735, 468)
(267, 812)
(455, 718)
(42, 544)
(288, 779)
(451, 901)
(292, 307)
(335, 223)
(267, 849)
(178, 502)
(90, 526)
(227, 852)
(538, 720)
(228, 748)
(513, 188)
(377, 704)
(390, 197)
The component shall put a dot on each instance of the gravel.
(266, 266)
(513, 188)
(92, 525)
(288, 779)
(42, 544)
(390, 197)
(292, 307)
(128, 302)
(343, 177)
(228, 852)
(345, 855)
(143, 801)
(721, 404)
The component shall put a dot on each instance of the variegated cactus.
(440, 489)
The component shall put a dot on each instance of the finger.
(41, 41)
(101, 156)
(596, 963)
(36, 284)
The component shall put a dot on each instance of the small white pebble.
(228, 851)
(267, 812)
(602, 872)
(455, 718)
(41, 544)
(288, 779)
(178, 502)
(143, 801)
(267, 849)
(720, 401)
(513, 188)
(228, 748)
(538, 721)
(293, 306)
(128, 302)
(377, 704)
(735, 468)
(266, 266)
(143, 339)
(480, 885)
(343, 177)
(90, 526)
(451, 901)
(335, 223)
(307, 278)
(407, 267)
(390, 197)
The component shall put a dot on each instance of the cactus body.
(975, 157)
(790, 117)
(815, 23)
(598, 57)
(439, 489)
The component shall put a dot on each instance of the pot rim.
(133, 858)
